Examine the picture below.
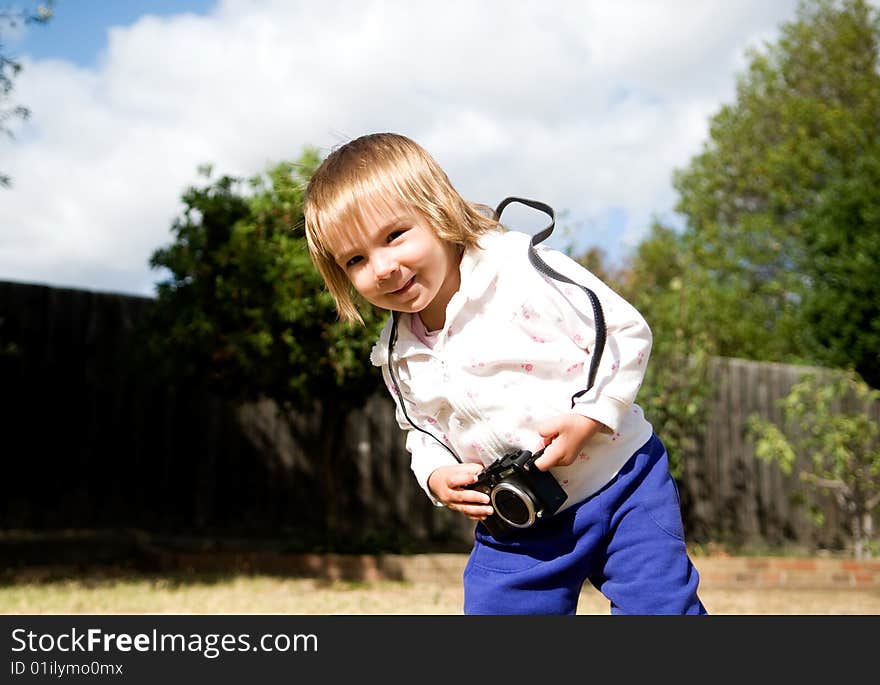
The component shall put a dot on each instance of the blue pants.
(627, 540)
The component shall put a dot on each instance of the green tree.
(827, 420)
(11, 67)
(243, 311)
(675, 387)
(767, 201)
(244, 314)
(840, 309)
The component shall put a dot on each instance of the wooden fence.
(732, 496)
(90, 441)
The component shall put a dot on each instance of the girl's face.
(399, 263)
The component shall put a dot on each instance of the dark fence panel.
(732, 496)
(89, 440)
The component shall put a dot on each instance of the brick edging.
(788, 572)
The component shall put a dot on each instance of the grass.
(180, 593)
(132, 572)
(117, 591)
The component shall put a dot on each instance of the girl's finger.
(466, 479)
(546, 460)
(480, 512)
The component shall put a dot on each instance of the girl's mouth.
(406, 287)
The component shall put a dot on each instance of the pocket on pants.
(502, 558)
(664, 507)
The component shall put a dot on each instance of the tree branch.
(826, 483)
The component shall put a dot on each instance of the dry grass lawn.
(108, 593)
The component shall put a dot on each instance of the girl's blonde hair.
(378, 170)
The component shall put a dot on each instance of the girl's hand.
(564, 437)
(448, 482)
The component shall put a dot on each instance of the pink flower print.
(527, 367)
(641, 358)
(528, 312)
(392, 389)
(445, 438)
(575, 367)
(565, 482)
(615, 366)
(536, 339)
(578, 340)
(431, 420)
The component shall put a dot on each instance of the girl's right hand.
(448, 484)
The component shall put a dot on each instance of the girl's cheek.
(360, 283)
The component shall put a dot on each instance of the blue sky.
(78, 31)
(589, 106)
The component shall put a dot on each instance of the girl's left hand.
(564, 438)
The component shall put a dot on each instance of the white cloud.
(586, 105)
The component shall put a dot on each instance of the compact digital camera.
(520, 493)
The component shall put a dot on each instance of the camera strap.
(392, 338)
(542, 267)
(547, 270)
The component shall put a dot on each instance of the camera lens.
(513, 505)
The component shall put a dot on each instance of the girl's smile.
(406, 287)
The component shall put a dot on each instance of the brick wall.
(802, 573)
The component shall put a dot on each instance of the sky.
(587, 105)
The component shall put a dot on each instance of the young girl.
(484, 355)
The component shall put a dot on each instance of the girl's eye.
(354, 260)
(394, 235)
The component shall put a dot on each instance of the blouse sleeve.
(628, 338)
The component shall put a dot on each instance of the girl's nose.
(384, 268)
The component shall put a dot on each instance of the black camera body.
(520, 493)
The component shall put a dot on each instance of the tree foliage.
(243, 311)
(827, 420)
(675, 386)
(776, 261)
(781, 218)
(11, 67)
(840, 310)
